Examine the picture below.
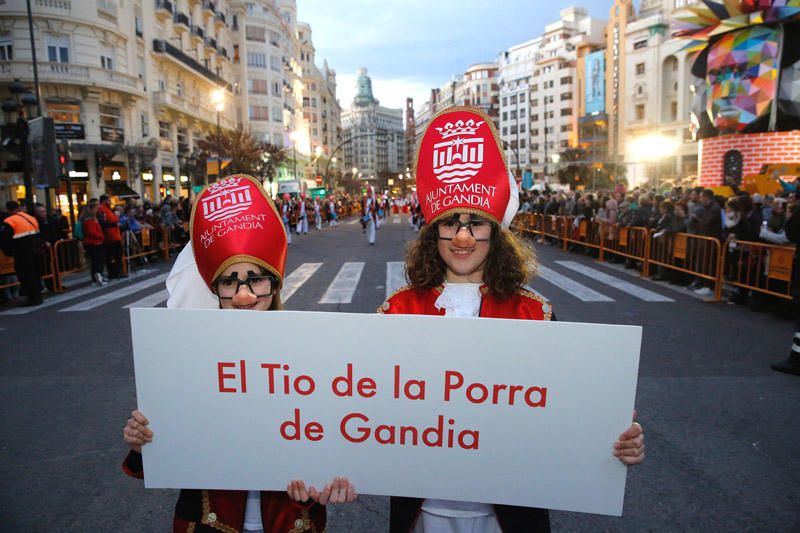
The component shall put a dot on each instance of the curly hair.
(508, 264)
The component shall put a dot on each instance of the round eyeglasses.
(480, 229)
(260, 286)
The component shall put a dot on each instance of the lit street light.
(652, 148)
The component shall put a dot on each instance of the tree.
(272, 157)
(240, 147)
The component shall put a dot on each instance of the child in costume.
(230, 268)
(466, 263)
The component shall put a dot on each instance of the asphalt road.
(722, 428)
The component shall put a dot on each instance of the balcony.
(163, 47)
(196, 106)
(222, 52)
(198, 35)
(209, 48)
(219, 20)
(163, 10)
(180, 23)
(209, 10)
(53, 7)
(107, 10)
(71, 74)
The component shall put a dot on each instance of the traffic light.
(64, 160)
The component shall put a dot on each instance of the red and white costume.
(461, 168)
(233, 221)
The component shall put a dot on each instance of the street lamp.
(318, 153)
(218, 98)
(652, 148)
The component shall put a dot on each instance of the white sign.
(496, 411)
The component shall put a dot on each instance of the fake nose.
(463, 237)
(243, 296)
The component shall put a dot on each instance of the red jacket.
(110, 223)
(223, 510)
(526, 305)
(92, 232)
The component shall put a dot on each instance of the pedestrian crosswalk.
(338, 284)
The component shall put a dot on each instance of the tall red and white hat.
(461, 167)
(235, 221)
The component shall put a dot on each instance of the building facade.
(131, 87)
(374, 138)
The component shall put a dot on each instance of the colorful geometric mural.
(748, 56)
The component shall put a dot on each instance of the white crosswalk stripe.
(395, 276)
(578, 290)
(296, 279)
(67, 296)
(624, 286)
(150, 301)
(395, 220)
(354, 221)
(127, 290)
(343, 286)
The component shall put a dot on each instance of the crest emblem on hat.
(459, 159)
(227, 199)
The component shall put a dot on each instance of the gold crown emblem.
(224, 184)
(470, 127)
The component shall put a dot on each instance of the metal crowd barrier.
(696, 255)
(139, 246)
(48, 268)
(760, 267)
(68, 258)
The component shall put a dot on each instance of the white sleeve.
(186, 287)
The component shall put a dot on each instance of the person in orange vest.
(20, 239)
(113, 238)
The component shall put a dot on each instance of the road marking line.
(578, 290)
(343, 286)
(395, 276)
(296, 279)
(115, 295)
(624, 286)
(354, 221)
(150, 301)
(55, 300)
(396, 220)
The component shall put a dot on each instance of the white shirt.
(448, 516)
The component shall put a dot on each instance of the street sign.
(318, 192)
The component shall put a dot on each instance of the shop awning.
(120, 189)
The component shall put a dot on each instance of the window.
(275, 63)
(513, 99)
(639, 69)
(254, 59)
(566, 111)
(64, 112)
(58, 49)
(255, 33)
(6, 50)
(549, 114)
(566, 96)
(549, 84)
(522, 143)
(145, 121)
(306, 102)
(505, 101)
(535, 118)
(274, 38)
(513, 115)
(564, 144)
(313, 102)
(522, 113)
(522, 128)
(179, 88)
(639, 111)
(277, 116)
(183, 140)
(110, 116)
(513, 130)
(505, 116)
(258, 112)
(566, 80)
(137, 23)
(535, 102)
(534, 146)
(276, 88)
(505, 130)
(566, 128)
(534, 87)
(673, 110)
(164, 129)
(535, 132)
(257, 86)
(638, 45)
